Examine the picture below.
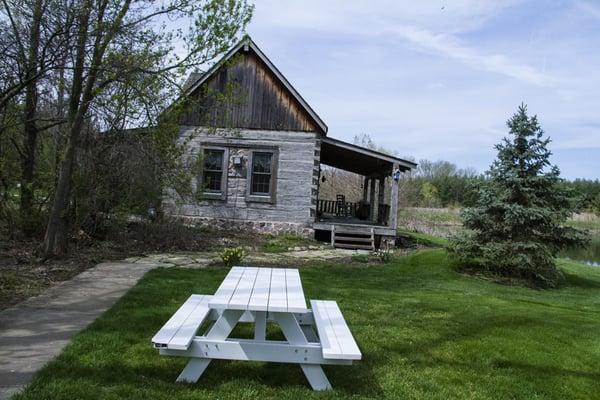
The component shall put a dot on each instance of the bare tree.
(123, 47)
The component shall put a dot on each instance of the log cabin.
(261, 149)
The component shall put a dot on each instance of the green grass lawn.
(439, 215)
(424, 239)
(426, 332)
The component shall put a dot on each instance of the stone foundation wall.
(265, 227)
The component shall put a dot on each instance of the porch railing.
(333, 207)
(353, 209)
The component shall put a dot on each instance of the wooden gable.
(246, 91)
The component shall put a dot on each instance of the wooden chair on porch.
(340, 206)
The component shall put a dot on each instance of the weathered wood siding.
(244, 93)
(295, 188)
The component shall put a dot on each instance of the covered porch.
(373, 204)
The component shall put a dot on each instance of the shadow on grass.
(421, 353)
(579, 281)
(219, 374)
(529, 369)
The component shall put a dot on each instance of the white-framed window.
(213, 177)
(262, 175)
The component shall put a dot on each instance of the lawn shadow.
(422, 353)
(529, 369)
(353, 380)
(357, 379)
(574, 280)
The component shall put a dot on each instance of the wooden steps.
(353, 237)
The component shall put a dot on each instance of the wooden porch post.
(372, 200)
(394, 201)
(380, 198)
(365, 190)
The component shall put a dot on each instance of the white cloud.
(360, 16)
(449, 46)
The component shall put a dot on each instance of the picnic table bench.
(314, 337)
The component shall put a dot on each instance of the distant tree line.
(443, 184)
(440, 184)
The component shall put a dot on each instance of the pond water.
(589, 255)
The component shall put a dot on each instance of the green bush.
(232, 256)
(383, 255)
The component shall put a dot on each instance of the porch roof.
(360, 160)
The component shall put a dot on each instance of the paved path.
(35, 331)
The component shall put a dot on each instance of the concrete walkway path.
(35, 331)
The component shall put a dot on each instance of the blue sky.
(438, 79)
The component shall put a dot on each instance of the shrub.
(232, 256)
(383, 255)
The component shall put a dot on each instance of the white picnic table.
(256, 295)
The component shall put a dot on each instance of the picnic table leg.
(220, 331)
(193, 370)
(260, 325)
(294, 335)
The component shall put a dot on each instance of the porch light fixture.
(396, 174)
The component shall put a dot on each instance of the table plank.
(277, 293)
(241, 295)
(261, 289)
(259, 301)
(227, 288)
(295, 295)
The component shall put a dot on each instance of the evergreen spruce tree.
(516, 227)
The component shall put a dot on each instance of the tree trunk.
(56, 237)
(30, 130)
(57, 231)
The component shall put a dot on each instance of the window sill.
(212, 196)
(255, 198)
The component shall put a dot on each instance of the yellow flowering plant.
(232, 256)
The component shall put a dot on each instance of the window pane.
(261, 183)
(261, 162)
(261, 173)
(212, 181)
(212, 176)
(213, 160)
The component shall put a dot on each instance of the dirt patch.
(23, 274)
